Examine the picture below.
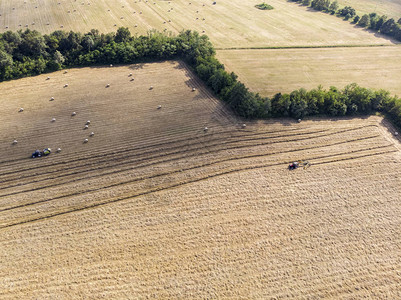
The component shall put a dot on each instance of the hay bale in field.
(6, 27)
(21, 109)
(15, 142)
(65, 72)
(121, 17)
(115, 24)
(111, 65)
(92, 134)
(52, 98)
(53, 119)
(66, 85)
(130, 74)
(58, 150)
(33, 23)
(193, 89)
(61, 26)
(214, 3)
(159, 107)
(136, 25)
(203, 31)
(151, 87)
(396, 133)
(107, 85)
(299, 120)
(86, 127)
(205, 129)
(244, 125)
(26, 25)
(47, 78)
(86, 140)
(73, 113)
(88, 122)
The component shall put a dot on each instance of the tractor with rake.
(296, 164)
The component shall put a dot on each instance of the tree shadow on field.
(378, 35)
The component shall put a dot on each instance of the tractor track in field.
(186, 154)
(171, 172)
(146, 154)
(112, 155)
(210, 176)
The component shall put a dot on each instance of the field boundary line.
(306, 47)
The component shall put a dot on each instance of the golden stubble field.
(228, 24)
(153, 206)
(271, 71)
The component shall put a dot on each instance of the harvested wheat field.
(229, 24)
(155, 206)
(271, 71)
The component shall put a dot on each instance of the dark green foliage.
(26, 53)
(322, 5)
(364, 21)
(347, 12)
(264, 6)
(333, 7)
(356, 19)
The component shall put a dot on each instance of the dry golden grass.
(228, 24)
(390, 8)
(271, 71)
(154, 207)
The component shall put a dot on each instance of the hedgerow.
(27, 53)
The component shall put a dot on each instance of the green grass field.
(271, 71)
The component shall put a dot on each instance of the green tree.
(356, 19)
(6, 60)
(333, 7)
(364, 21)
(123, 35)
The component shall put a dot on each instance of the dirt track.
(154, 206)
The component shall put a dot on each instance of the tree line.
(27, 53)
(373, 21)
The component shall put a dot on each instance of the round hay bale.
(73, 113)
(396, 133)
(121, 18)
(159, 107)
(66, 85)
(244, 125)
(58, 150)
(52, 98)
(86, 140)
(151, 87)
(53, 119)
(88, 122)
(48, 78)
(61, 26)
(92, 134)
(21, 109)
(15, 142)
(299, 120)
(111, 65)
(136, 25)
(115, 24)
(33, 23)
(65, 72)
(86, 127)
(6, 27)
(107, 85)
(193, 89)
(130, 74)
(205, 129)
